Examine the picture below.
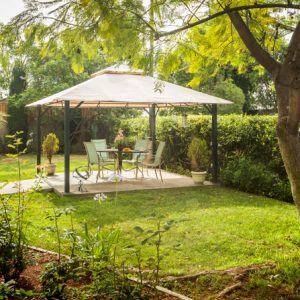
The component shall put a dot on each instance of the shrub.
(50, 146)
(253, 137)
(254, 177)
(198, 154)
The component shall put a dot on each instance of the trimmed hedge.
(248, 139)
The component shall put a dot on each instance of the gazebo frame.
(140, 89)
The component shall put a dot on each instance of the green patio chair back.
(140, 145)
(91, 153)
(100, 145)
(158, 154)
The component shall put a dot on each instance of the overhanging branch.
(227, 11)
(262, 56)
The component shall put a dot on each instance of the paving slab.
(11, 188)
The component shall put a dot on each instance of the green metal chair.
(95, 159)
(137, 158)
(100, 145)
(156, 160)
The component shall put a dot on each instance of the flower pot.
(50, 169)
(199, 177)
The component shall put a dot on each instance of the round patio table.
(118, 156)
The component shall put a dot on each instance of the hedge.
(250, 137)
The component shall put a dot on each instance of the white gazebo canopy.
(120, 86)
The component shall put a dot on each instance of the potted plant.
(119, 141)
(50, 147)
(199, 155)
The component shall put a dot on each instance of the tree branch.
(293, 50)
(286, 27)
(262, 56)
(227, 11)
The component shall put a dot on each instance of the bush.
(253, 137)
(198, 154)
(254, 177)
(50, 146)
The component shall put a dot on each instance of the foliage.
(12, 233)
(254, 177)
(8, 290)
(226, 89)
(50, 146)
(98, 246)
(252, 136)
(16, 108)
(55, 276)
(198, 154)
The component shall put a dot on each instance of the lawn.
(208, 227)
(9, 167)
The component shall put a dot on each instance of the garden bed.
(252, 282)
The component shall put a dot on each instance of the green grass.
(8, 166)
(213, 227)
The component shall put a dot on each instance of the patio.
(128, 182)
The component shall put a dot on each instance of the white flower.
(100, 197)
(116, 178)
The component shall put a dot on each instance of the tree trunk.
(287, 83)
(288, 98)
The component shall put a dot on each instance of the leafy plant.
(54, 278)
(8, 291)
(55, 217)
(12, 234)
(50, 146)
(98, 246)
(198, 153)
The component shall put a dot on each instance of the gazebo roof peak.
(121, 68)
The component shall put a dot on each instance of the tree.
(245, 34)
(226, 89)
(17, 120)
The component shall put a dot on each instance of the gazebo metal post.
(67, 145)
(152, 126)
(214, 140)
(38, 138)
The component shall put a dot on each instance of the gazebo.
(120, 86)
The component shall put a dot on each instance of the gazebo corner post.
(152, 126)
(38, 139)
(214, 142)
(67, 147)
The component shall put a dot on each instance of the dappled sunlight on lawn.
(204, 227)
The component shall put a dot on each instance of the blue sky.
(10, 8)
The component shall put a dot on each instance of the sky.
(10, 8)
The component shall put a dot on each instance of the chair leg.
(160, 174)
(98, 174)
(155, 173)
